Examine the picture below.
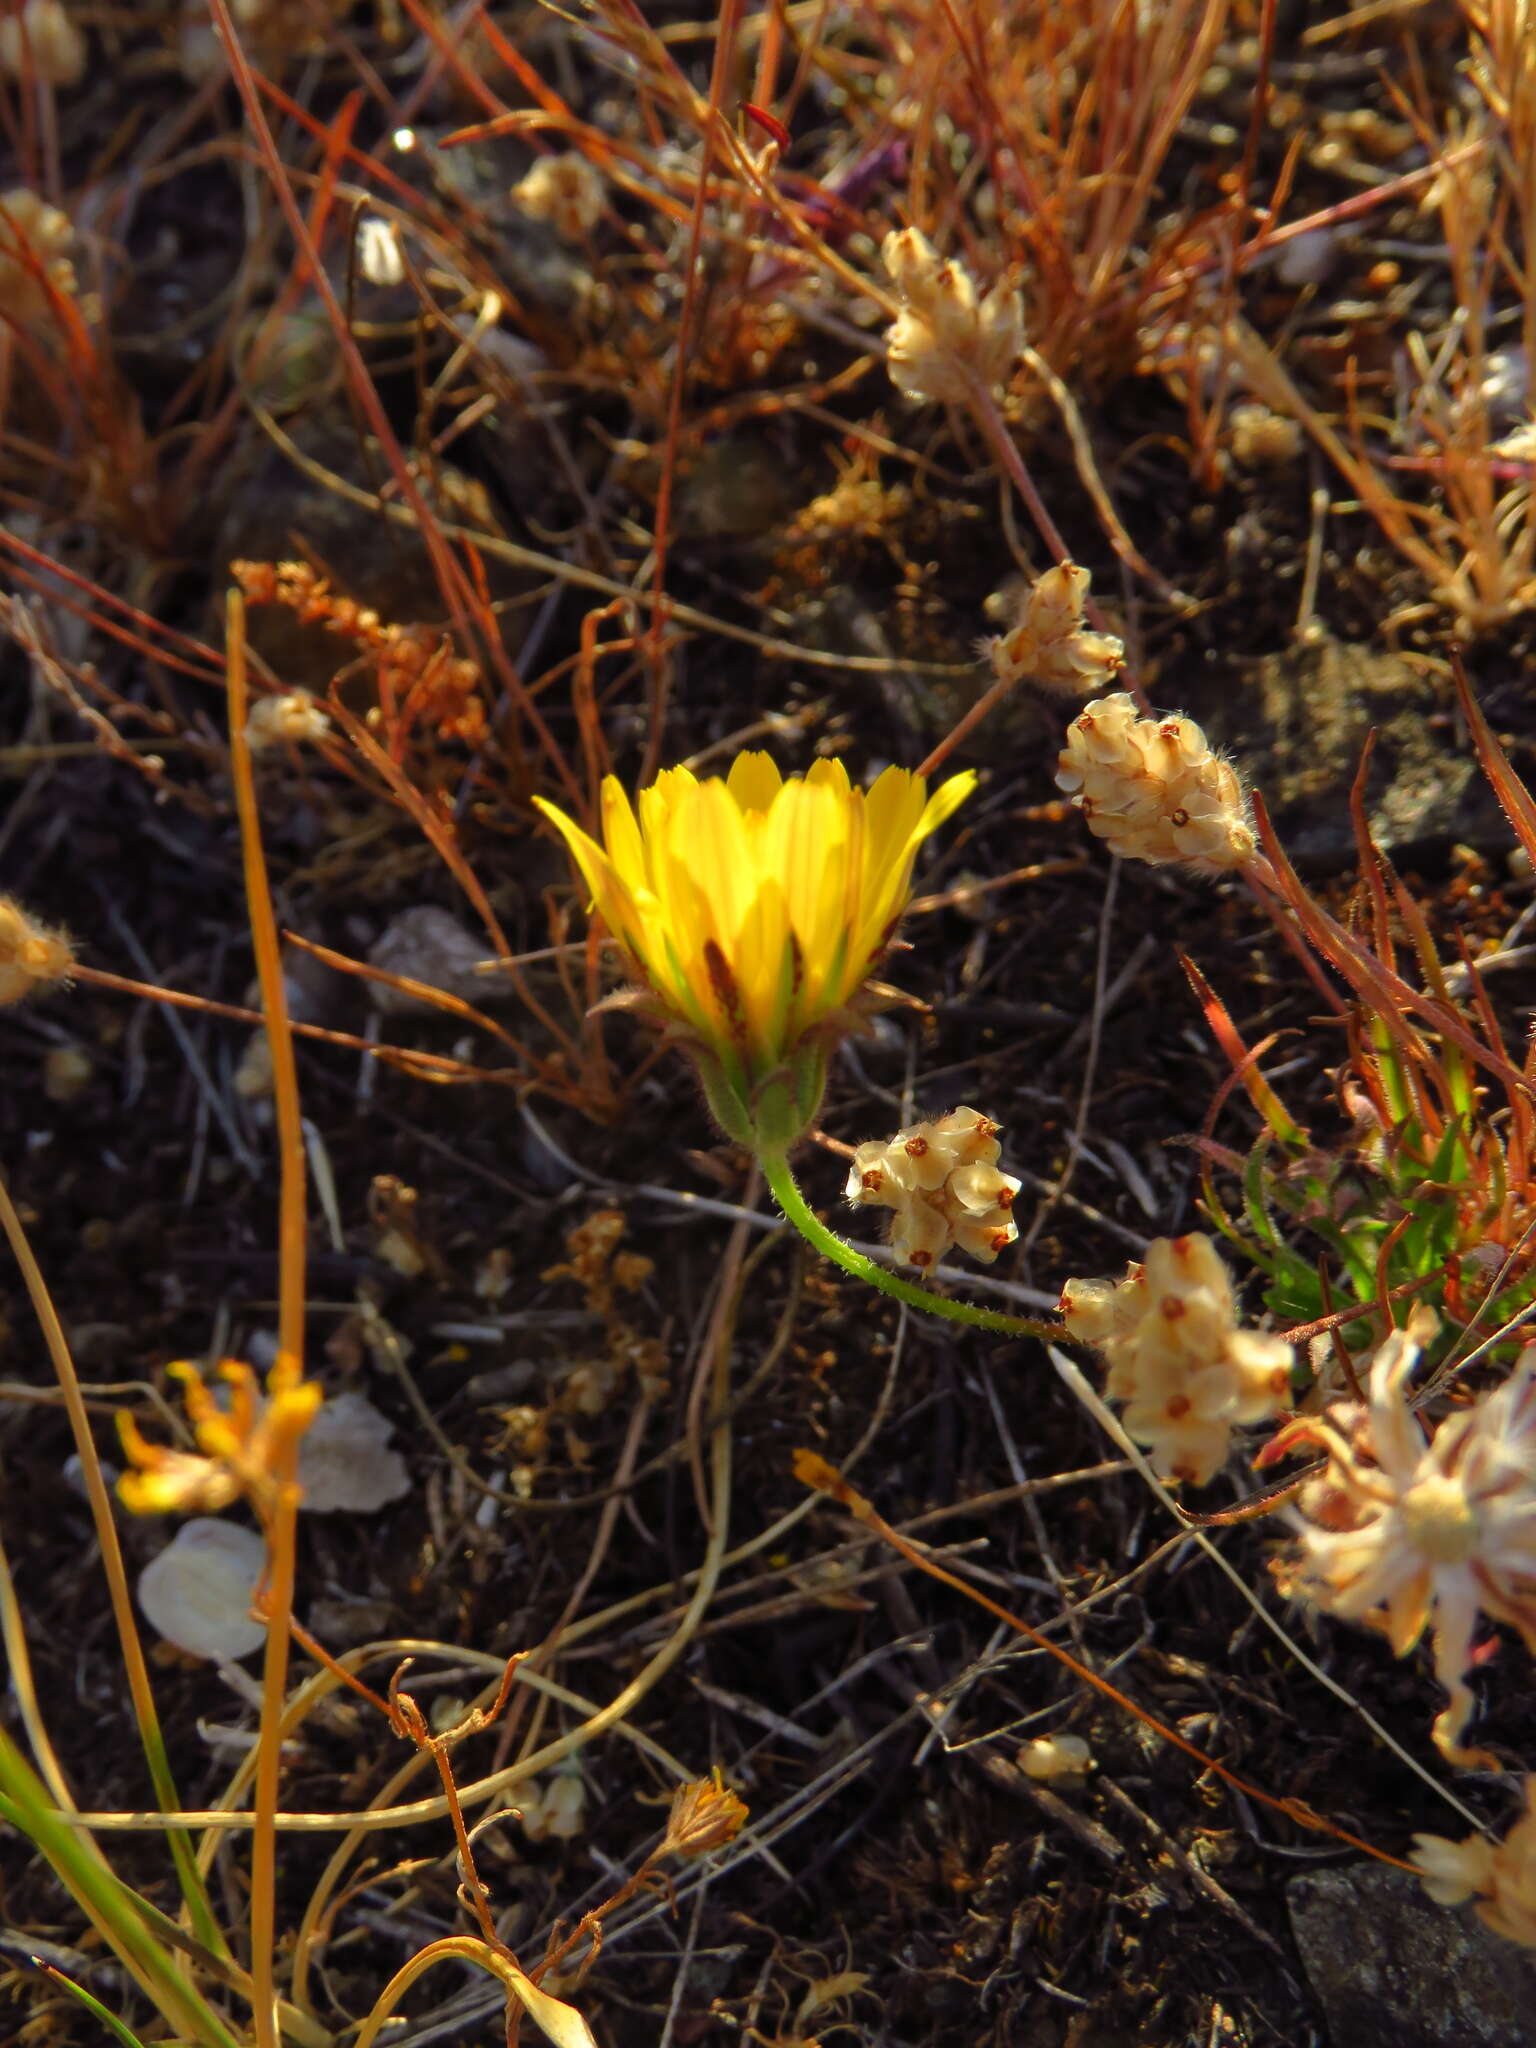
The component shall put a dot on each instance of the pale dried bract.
(948, 338)
(40, 41)
(33, 239)
(1050, 642)
(942, 1181)
(1187, 1373)
(1152, 789)
(1408, 1531)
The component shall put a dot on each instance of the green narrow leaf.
(92, 2004)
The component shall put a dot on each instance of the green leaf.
(92, 2004)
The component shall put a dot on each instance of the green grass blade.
(80, 1866)
(92, 2004)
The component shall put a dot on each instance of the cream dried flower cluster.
(1407, 1531)
(1051, 642)
(31, 956)
(1501, 1876)
(34, 237)
(1153, 790)
(947, 336)
(1187, 1373)
(942, 1181)
(564, 191)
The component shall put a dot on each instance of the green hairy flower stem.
(786, 1192)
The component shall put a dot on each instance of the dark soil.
(902, 1882)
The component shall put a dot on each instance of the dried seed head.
(565, 191)
(31, 956)
(292, 717)
(1261, 439)
(942, 1181)
(33, 239)
(704, 1816)
(1408, 1532)
(1185, 1371)
(1153, 790)
(1050, 642)
(42, 42)
(1500, 1876)
(946, 335)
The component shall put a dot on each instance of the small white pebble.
(198, 1591)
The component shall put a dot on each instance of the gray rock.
(429, 945)
(1392, 1969)
(1298, 725)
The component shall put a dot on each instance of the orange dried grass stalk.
(420, 678)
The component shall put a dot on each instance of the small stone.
(429, 945)
(345, 1465)
(67, 1073)
(198, 1591)
(1393, 1970)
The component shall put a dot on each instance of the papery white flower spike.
(941, 1179)
(947, 333)
(1153, 789)
(1185, 1370)
(1051, 644)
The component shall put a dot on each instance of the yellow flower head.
(755, 908)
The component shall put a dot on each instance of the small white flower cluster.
(1178, 1360)
(33, 236)
(1405, 1531)
(1051, 642)
(1501, 1876)
(564, 191)
(290, 717)
(942, 1181)
(947, 334)
(1153, 790)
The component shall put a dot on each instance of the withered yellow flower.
(705, 1815)
(755, 908)
(245, 1450)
